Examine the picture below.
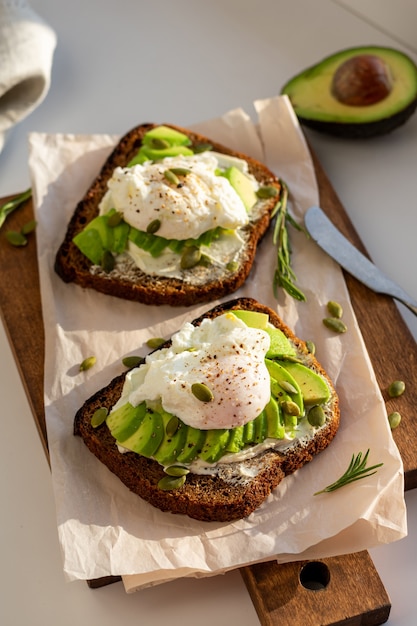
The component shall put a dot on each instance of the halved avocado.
(357, 93)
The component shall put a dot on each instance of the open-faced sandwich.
(209, 423)
(172, 218)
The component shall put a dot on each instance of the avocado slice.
(313, 387)
(171, 445)
(148, 437)
(242, 185)
(124, 421)
(253, 319)
(359, 92)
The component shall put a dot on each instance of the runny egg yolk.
(225, 355)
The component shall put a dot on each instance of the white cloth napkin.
(27, 46)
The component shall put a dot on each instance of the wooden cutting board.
(329, 592)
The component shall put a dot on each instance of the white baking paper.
(103, 528)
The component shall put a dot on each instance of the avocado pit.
(362, 80)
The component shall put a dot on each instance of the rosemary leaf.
(13, 204)
(284, 275)
(356, 471)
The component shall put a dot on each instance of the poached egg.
(202, 201)
(223, 354)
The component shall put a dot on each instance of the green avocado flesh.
(149, 432)
(358, 92)
(100, 237)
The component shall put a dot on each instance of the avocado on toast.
(209, 423)
(172, 218)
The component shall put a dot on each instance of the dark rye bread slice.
(224, 497)
(133, 284)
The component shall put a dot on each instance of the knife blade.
(336, 245)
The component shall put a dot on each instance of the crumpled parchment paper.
(106, 530)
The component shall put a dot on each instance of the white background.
(121, 63)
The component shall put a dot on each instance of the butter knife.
(331, 240)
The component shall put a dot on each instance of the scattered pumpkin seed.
(172, 426)
(202, 392)
(15, 238)
(176, 470)
(267, 192)
(180, 171)
(335, 324)
(158, 143)
(316, 416)
(290, 408)
(202, 147)
(107, 261)
(168, 483)
(396, 388)
(98, 417)
(232, 266)
(29, 227)
(114, 219)
(335, 309)
(171, 177)
(311, 347)
(88, 363)
(131, 361)
(287, 386)
(394, 419)
(190, 257)
(153, 226)
(155, 342)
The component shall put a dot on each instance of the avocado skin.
(358, 130)
(385, 120)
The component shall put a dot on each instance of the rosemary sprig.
(284, 275)
(13, 204)
(357, 469)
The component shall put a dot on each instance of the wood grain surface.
(276, 590)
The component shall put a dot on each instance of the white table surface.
(122, 63)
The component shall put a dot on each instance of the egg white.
(202, 201)
(222, 353)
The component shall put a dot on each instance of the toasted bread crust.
(206, 497)
(72, 266)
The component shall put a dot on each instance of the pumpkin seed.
(107, 261)
(202, 147)
(335, 324)
(311, 347)
(15, 238)
(267, 192)
(29, 227)
(290, 408)
(171, 177)
(335, 309)
(190, 257)
(114, 219)
(153, 226)
(131, 361)
(232, 266)
(168, 483)
(155, 342)
(98, 417)
(202, 392)
(288, 387)
(316, 416)
(159, 143)
(180, 171)
(88, 363)
(176, 470)
(396, 388)
(394, 419)
(172, 426)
